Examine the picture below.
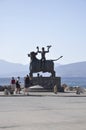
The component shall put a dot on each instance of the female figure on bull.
(43, 52)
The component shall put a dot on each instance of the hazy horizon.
(55, 62)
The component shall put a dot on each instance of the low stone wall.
(47, 82)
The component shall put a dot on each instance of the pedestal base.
(48, 83)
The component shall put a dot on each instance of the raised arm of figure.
(38, 50)
(48, 47)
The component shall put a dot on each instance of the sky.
(26, 24)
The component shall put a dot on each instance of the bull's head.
(32, 55)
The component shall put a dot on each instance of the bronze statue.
(43, 65)
(35, 65)
(43, 52)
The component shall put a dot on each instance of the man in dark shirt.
(27, 84)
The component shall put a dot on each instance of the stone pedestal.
(48, 83)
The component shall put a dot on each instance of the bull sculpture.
(37, 65)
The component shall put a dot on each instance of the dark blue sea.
(72, 81)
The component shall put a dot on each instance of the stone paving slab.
(45, 111)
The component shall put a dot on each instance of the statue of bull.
(37, 65)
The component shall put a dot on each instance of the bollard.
(55, 89)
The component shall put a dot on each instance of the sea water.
(7, 81)
(70, 81)
(74, 81)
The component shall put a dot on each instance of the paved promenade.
(43, 111)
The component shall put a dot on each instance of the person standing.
(13, 84)
(18, 88)
(26, 84)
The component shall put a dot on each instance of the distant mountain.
(8, 69)
(72, 70)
